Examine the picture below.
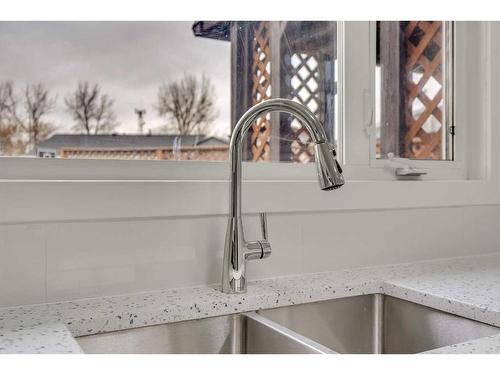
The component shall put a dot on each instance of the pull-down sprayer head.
(329, 171)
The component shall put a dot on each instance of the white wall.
(67, 260)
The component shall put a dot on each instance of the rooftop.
(117, 141)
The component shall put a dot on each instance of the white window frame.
(41, 190)
(359, 121)
(435, 169)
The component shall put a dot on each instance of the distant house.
(130, 147)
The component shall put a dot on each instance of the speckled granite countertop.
(485, 345)
(50, 338)
(468, 286)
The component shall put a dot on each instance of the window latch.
(402, 167)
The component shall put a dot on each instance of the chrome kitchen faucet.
(237, 250)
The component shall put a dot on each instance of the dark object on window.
(219, 30)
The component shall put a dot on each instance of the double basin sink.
(362, 324)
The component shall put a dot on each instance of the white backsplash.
(62, 261)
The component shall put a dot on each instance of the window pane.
(161, 90)
(107, 90)
(294, 60)
(414, 90)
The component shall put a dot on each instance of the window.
(144, 55)
(295, 60)
(107, 90)
(337, 69)
(378, 127)
(414, 90)
(161, 90)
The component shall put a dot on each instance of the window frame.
(360, 45)
(41, 190)
(356, 41)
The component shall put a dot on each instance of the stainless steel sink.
(377, 324)
(237, 334)
(362, 324)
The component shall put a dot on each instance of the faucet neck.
(236, 249)
(301, 112)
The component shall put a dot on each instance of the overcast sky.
(129, 60)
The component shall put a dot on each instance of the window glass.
(161, 90)
(414, 92)
(295, 60)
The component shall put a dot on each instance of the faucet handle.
(263, 225)
(262, 248)
(265, 245)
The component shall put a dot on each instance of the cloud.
(128, 59)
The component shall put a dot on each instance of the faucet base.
(235, 286)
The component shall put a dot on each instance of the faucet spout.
(236, 249)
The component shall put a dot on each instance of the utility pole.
(140, 119)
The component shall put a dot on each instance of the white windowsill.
(41, 190)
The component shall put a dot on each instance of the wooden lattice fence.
(413, 59)
(307, 76)
(297, 60)
(424, 101)
(261, 90)
(294, 60)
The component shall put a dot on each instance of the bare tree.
(188, 105)
(92, 111)
(8, 124)
(105, 118)
(19, 133)
(37, 103)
